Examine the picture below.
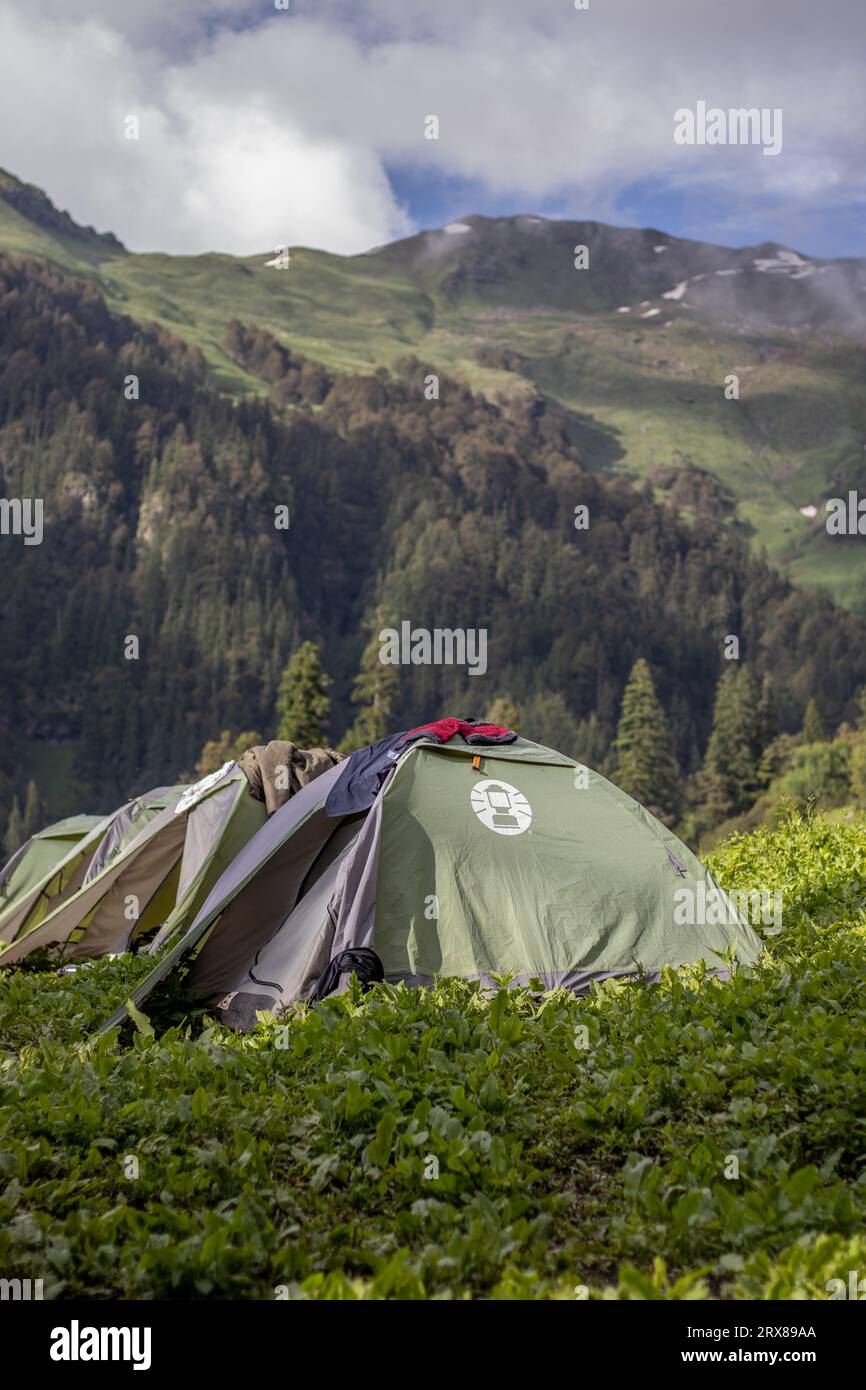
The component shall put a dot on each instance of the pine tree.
(731, 777)
(14, 837)
(376, 688)
(645, 763)
(768, 717)
(592, 742)
(34, 813)
(303, 702)
(813, 725)
(777, 757)
(548, 720)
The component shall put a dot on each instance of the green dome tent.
(472, 862)
(32, 866)
(158, 866)
(56, 863)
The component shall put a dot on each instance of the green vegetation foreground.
(578, 1142)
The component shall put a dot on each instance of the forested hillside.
(631, 335)
(162, 502)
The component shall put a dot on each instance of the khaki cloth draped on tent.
(277, 770)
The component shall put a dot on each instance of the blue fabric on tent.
(361, 776)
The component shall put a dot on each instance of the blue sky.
(261, 127)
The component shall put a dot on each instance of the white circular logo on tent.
(501, 807)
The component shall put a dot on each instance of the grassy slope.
(657, 391)
(653, 387)
(579, 1142)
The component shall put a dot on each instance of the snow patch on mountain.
(784, 262)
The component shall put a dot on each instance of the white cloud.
(260, 127)
(222, 161)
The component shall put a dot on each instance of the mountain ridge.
(633, 353)
(35, 206)
(435, 244)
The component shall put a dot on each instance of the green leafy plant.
(701, 1138)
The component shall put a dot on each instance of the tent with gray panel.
(470, 862)
(55, 863)
(153, 876)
